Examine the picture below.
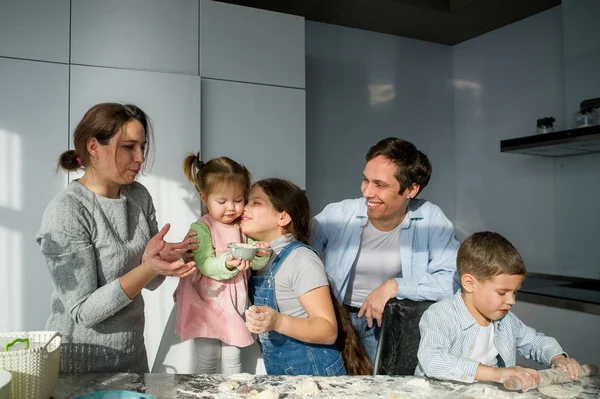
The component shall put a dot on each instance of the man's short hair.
(486, 255)
(412, 166)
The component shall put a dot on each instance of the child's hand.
(262, 244)
(262, 319)
(570, 366)
(526, 376)
(237, 263)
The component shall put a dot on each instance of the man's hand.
(570, 366)
(374, 305)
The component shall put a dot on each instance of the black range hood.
(579, 141)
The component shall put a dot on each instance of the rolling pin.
(550, 377)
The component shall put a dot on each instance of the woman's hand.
(155, 263)
(570, 366)
(262, 319)
(237, 263)
(262, 244)
(172, 252)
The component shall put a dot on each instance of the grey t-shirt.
(301, 272)
(89, 242)
(378, 260)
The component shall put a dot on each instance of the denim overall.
(284, 355)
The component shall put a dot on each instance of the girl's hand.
(262, 244)
(181, 250)
(570, 366)
(262, 319)
(237, 263)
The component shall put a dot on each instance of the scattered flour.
(491, 392)
(266, 394)
(307, 388)
(561, 391)
(396, 396)
(227, 386)
(418, 384)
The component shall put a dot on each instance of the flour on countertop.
(561, 391)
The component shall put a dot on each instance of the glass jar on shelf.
(584, 117)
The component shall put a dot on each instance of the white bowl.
(242, 250)
(5, 389)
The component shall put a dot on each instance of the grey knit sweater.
(89, 242)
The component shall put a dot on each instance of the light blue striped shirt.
(428, 248)
(448, 335)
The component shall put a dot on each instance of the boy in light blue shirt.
(473, 335)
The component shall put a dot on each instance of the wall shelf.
(579, 141)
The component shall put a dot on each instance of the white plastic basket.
(34, 370)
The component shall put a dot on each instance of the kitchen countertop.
(574, 293)
(208, 386)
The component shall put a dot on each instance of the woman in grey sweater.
(102, 246)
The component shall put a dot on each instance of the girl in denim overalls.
(293, 312)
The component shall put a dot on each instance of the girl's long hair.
(355, 357)
(287, 197)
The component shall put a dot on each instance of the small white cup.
(241, 250)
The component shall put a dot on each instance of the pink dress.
(208, 308)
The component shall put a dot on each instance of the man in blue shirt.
(388, 243)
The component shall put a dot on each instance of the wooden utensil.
(550, 377)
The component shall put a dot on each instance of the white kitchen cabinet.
(172, 102)
(250, 45)
(35, 29)
(147, 35)
(33, 132)
(262, 127)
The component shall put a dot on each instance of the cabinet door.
(262, 127)
(172, 102)
(147, 35)
(34, 106)
(35, 29)
(250, 45)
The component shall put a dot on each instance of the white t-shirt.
(484, 350)
(378, 260)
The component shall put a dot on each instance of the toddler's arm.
(208, 264)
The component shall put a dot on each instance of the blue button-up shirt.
(448, 336)
(428, 248)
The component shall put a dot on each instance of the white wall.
(576, 187)
(503, 82)
(362, 87)
(146, 52)
(548, 208)
(35, 29)
(33, 132)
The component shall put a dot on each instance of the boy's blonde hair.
(486, 255)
